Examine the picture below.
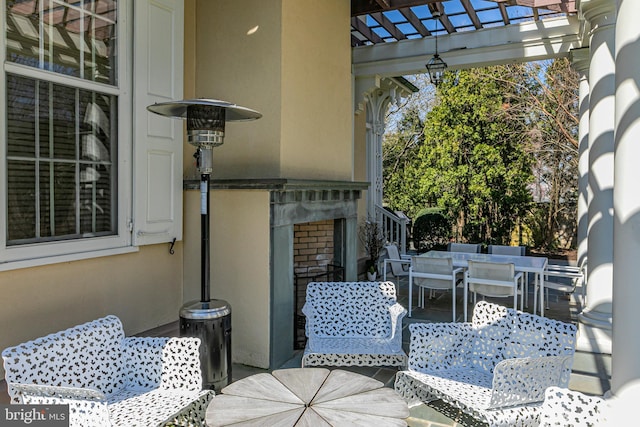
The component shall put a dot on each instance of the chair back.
(464, 247)
(397, 268)
(502, 274)
(435, 266)
(348, 309)
(507, 250)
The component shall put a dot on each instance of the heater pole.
(207, 319)
(204, 248)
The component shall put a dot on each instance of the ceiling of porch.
(384, 21)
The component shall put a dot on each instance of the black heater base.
(211, 322)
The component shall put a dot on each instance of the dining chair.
(395, 265)
(464, 247)
(565, 278)
(507, 250)
(513, 251)
(492, 279)
(433, 273)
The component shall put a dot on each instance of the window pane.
(21, 200)
(21, 115)
(75, 38)
(57, 114)
(61, 173)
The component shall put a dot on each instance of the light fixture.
(436, 65)
(208, 319)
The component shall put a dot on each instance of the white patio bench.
(495, 369)
(108, 379)
(353, 323)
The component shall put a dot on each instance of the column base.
(594, 332)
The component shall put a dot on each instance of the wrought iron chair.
(432, 273)
(492, 279)
(495, 368)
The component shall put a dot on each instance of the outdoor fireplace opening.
(316, 258)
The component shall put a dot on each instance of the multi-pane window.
(61, 120)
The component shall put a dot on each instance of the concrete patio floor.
(591, 373)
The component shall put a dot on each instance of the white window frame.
(27, 255)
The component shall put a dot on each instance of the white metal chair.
(395, 265)
(513, 251)
(432, 273)
(495, 369)
(464, 247)
(353, 323)
(492, 279)
(565, 278)
(507, 250)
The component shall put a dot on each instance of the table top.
(522, 263)
(307, 397)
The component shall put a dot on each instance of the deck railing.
(394, 227)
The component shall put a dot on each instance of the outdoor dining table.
(307, 397)
(526, 264)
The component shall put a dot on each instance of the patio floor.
(591, 372)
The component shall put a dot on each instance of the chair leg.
(546, 291)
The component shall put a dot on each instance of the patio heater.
(208, 319)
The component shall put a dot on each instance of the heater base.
(211, 322)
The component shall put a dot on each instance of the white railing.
(394, 227)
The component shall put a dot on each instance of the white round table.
(314, 397)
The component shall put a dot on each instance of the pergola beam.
(363, 7)
(527, 41)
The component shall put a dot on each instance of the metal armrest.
(524, 380)
(57, 392)
(397, 312)
(390, 260)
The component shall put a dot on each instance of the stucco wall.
(290, 60)
(144, 289)
(239, 265)
(316, 90)
(238, 60)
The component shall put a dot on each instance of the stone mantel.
(277, 184)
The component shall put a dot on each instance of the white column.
(376, 94)
(626, 196)
(595, 319)
(580, 62)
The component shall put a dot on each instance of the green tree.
(496, 148)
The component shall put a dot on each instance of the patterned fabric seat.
(353, 323)
(495, 368)
(108, 379)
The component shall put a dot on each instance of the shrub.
(431, 230)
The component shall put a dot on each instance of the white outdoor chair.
(507, 250)
(513, 251)
(395, 266)
(565, 278)
(464, 247)
(495, 368)
(492, 279)
(432, 273)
